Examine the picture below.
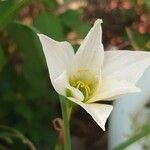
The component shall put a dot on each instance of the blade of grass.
(132, 41)
(11, 132)
(144, 132)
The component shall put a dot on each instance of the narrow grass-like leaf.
(143, 133)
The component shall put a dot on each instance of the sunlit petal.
(90, 55)
(112, 88)
(125, 65)
(62, 86)
(99, 112)
(58, 55)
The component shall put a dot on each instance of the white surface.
(126, 106)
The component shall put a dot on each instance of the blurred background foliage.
(28, 102)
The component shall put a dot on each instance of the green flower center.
(86, 82)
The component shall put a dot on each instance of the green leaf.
(144, 132)
(83, 29)
(49, 25)
(8, 9)
(2, 58)
(66, 1)
(33, 63)
(147, 4)
(71, 18)
(51, 3)
(141, 40)
(24, 110)
(133, 2)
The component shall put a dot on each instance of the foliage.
(7, 134)
(28, 101)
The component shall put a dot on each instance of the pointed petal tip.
(98, 21)
(103, 125)
(100, 114)
(103, 128)
(40, 35)
(102, 122)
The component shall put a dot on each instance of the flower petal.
(99, 112)
(58, 55)
(62, 86)
(91, 52)
(125, 65)
(112, 89)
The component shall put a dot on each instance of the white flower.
(92, 75)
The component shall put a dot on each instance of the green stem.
(66, 110)
(138, 136)
(58, 146)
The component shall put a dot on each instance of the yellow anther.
(80, 84)
(86, 92)
(85, 81)
(88, 89)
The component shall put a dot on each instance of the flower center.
(84, 88)
(86, 82)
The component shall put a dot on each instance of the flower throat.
(86, 82)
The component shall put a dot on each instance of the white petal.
(90, 54)
(99, 112)
(125, 65)
(112, 89)
(61, 85)
(58, 55)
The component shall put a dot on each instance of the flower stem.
(66, 111)
(58, 146)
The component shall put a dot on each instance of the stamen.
(86, 82)
(80, 84)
